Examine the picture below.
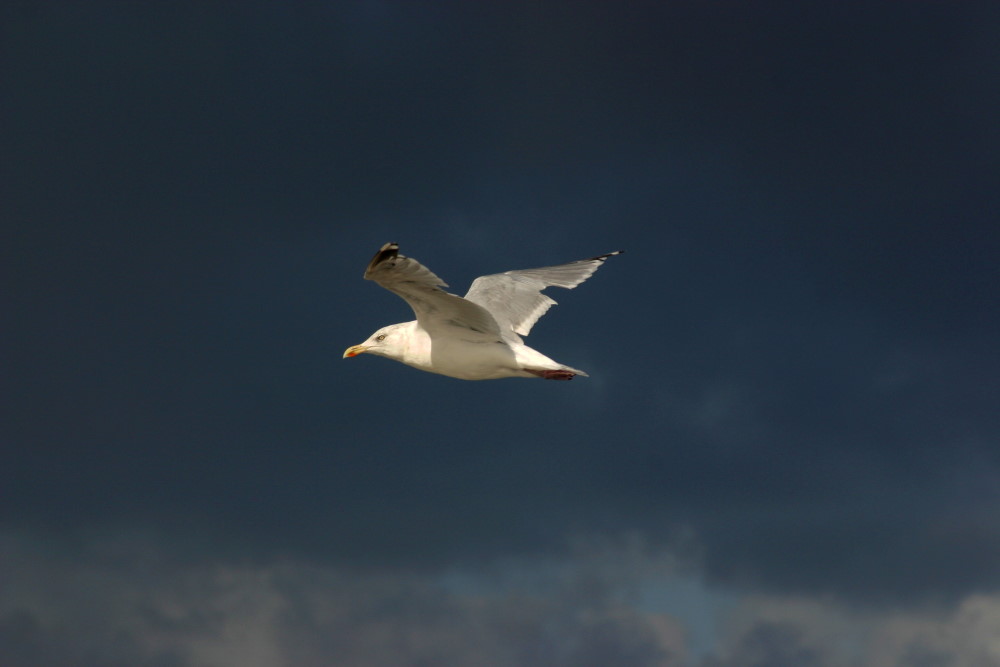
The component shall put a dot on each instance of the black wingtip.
(387, 252)
(601, 258)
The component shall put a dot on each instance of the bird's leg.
(552, 374)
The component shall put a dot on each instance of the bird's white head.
(386, 342)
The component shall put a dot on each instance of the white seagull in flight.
(473, 338)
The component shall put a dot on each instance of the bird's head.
(386, 342)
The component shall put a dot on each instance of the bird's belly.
(473, 360)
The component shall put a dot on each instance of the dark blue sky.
(794, 368)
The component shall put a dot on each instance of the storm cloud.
(786, 453)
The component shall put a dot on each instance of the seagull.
(477, 337)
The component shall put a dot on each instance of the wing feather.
(515, 298)
(436, 310)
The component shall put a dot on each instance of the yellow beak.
(354, 351)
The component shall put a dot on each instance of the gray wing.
(437, 311)
(515, 298)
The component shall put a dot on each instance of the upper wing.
(436, 310)
(515, 298)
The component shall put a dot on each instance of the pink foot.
(552, 375)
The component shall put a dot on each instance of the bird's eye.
(380, 337)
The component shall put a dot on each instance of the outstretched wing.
(436, 310)
(515, 298)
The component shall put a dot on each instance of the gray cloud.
(99, 611)
(92, 609)
(813, 631)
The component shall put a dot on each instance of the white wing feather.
(515, 298)
(436, 310)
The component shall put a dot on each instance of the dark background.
(794, 366)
